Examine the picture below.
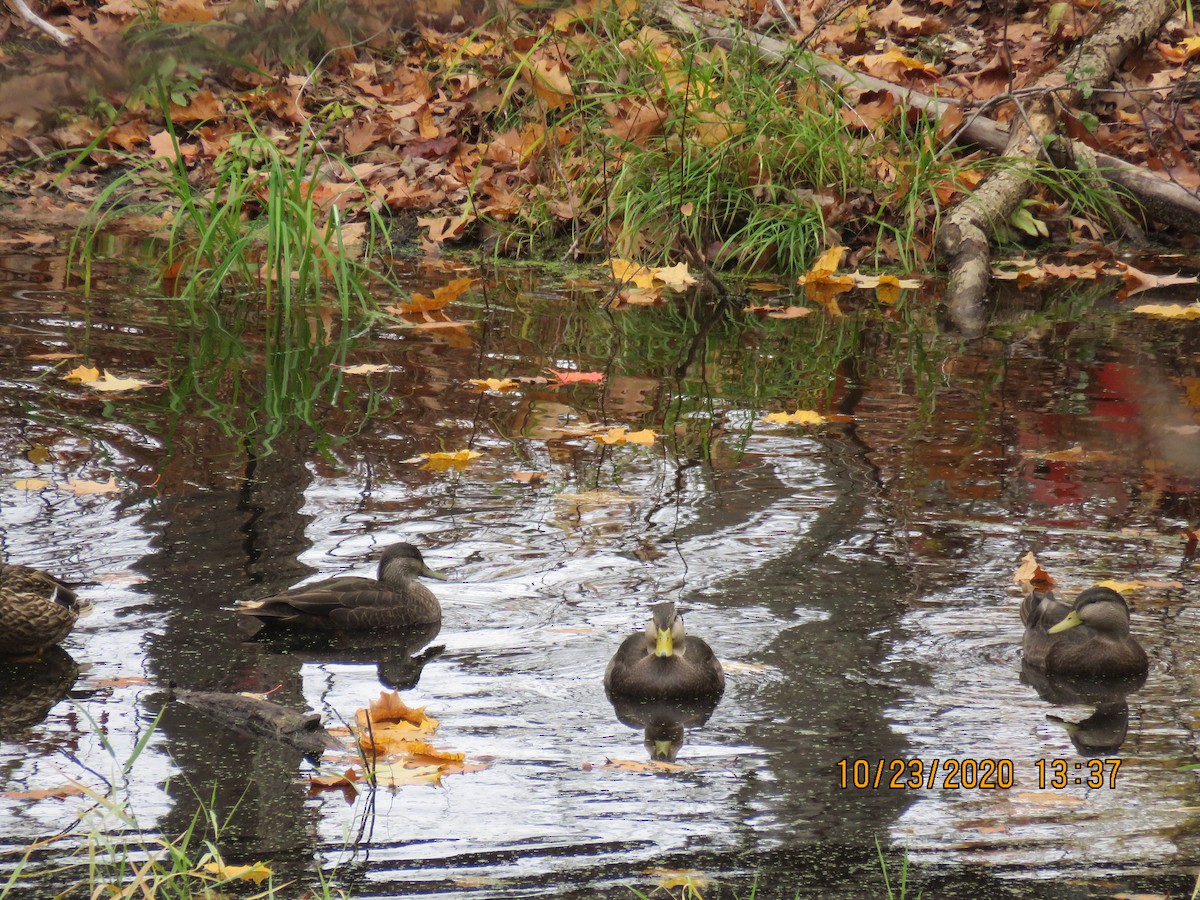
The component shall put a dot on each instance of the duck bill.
(1072, 619)
(664, 646)
(433, 573)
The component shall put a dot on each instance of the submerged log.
(264, 718)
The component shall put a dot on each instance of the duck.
(664, 662)
(1086, 639)
(351, 603)
(36, 611)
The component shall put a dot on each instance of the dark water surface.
(856, 578)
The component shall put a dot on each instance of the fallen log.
(964, 239)
(1160, 200)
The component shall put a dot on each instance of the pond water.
(855, 577)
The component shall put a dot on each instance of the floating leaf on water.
(30, 484)
(52, 357)
(63, 790)
(622, 436)
(692, 881)
(654, 765)
(81, 486)
(1031, 574)
(493, 384)
(394, 775)
(443, 461)
(256, 872)
(595, 497)
(365, 368)
(1169, 311)
(533, 478)
(577, 377)
(82, 374)
(111, 382)
(390, 708)
(799, 417)
(345, 783)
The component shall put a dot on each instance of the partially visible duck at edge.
(36, 611)
(352, 603)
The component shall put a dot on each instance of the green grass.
(259, 226)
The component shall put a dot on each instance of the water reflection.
(859, 570)
(29, 690)
(663, 721)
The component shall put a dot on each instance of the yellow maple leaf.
(443, 462)
(256, 872)
(676, 277)
(82, 374)
(825, 265)
(628, 272)
(799, 417)
(365, 368)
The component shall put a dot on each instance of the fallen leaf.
(1031, 574)
(799, 417)
(441, 296)
(30, 484)
(1137, 281)
(577, 377)
(691, 881)
(394, 775)
(389, 708)
(344, 783)
(676, 277)
(443, 461)
(111, 382)
(52, 357)
(80, 486)
(82, 374)
(1169, 311)
(256, 872)
(364, 368)
(533, 478)
(493, 384)
(654, 765)
(1121, 587)
(622, 436)
(64, 790)
(1071, 454)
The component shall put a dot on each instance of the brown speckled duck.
(664, 662)
(352, 603)
(36, 611)
(1087, 639)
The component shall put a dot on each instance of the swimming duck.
(36, 611)
(351, 603)
(664, 663)
(1087, 639)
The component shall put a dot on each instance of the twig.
(64, 39)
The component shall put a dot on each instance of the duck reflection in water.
(399, 655)
(28, 691)
(663, 679)
(1103, 732)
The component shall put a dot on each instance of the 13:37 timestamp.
(1060, 773)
